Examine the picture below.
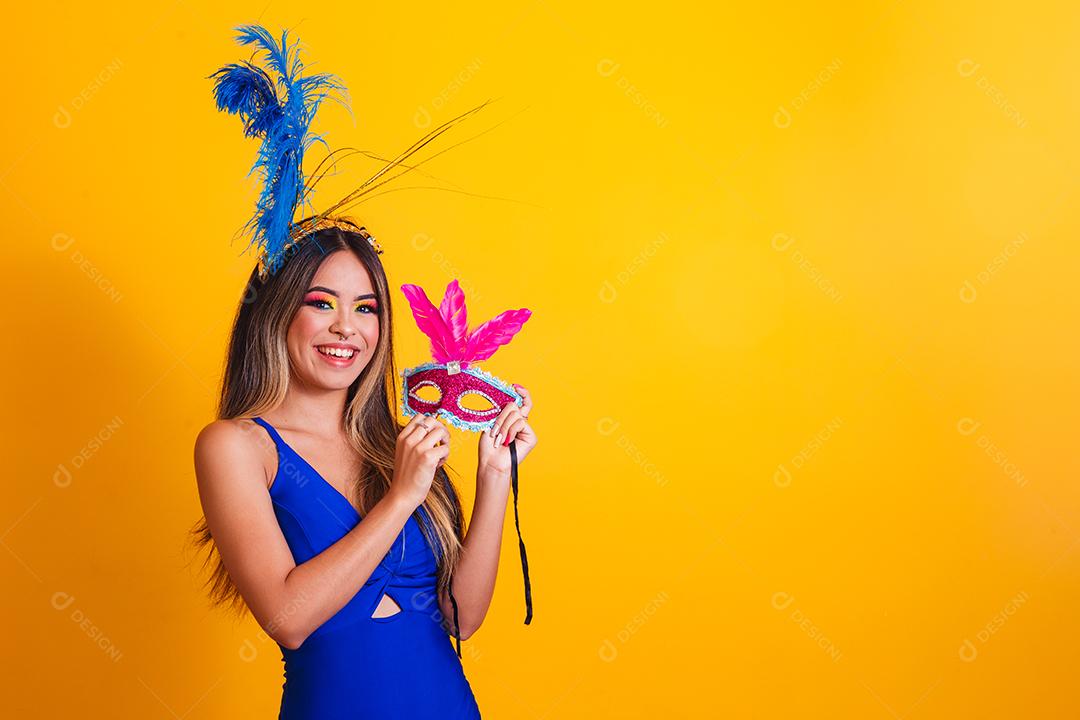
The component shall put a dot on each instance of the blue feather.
(280, 113)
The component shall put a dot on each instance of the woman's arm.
(288, 600)
(474, 578)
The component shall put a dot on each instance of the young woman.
(335, 525)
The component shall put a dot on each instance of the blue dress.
(355, 666)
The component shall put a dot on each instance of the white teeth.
(336, 352)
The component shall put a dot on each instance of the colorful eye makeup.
(317, 299)
(324, 301)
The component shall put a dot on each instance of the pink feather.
(453, 312)
(431, 323)
(487, 338)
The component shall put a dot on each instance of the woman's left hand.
(510, 426)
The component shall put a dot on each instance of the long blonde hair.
(257, 376)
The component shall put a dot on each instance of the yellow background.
(803, 348)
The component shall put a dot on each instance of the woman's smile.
(339, 355)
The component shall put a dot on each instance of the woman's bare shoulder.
(231, 436)
(236, 443)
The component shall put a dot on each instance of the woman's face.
(334, 333)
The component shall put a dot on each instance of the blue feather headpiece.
(280, 112)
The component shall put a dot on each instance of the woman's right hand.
(422, 446)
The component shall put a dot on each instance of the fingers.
(438, 436)
(424, 431)
(435, 435)
(516, 426)
(439, 452)
(416, 423)
(526, 397)
(498, 432)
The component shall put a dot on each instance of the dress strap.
(270, 429)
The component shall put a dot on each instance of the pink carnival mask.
(454, 348)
